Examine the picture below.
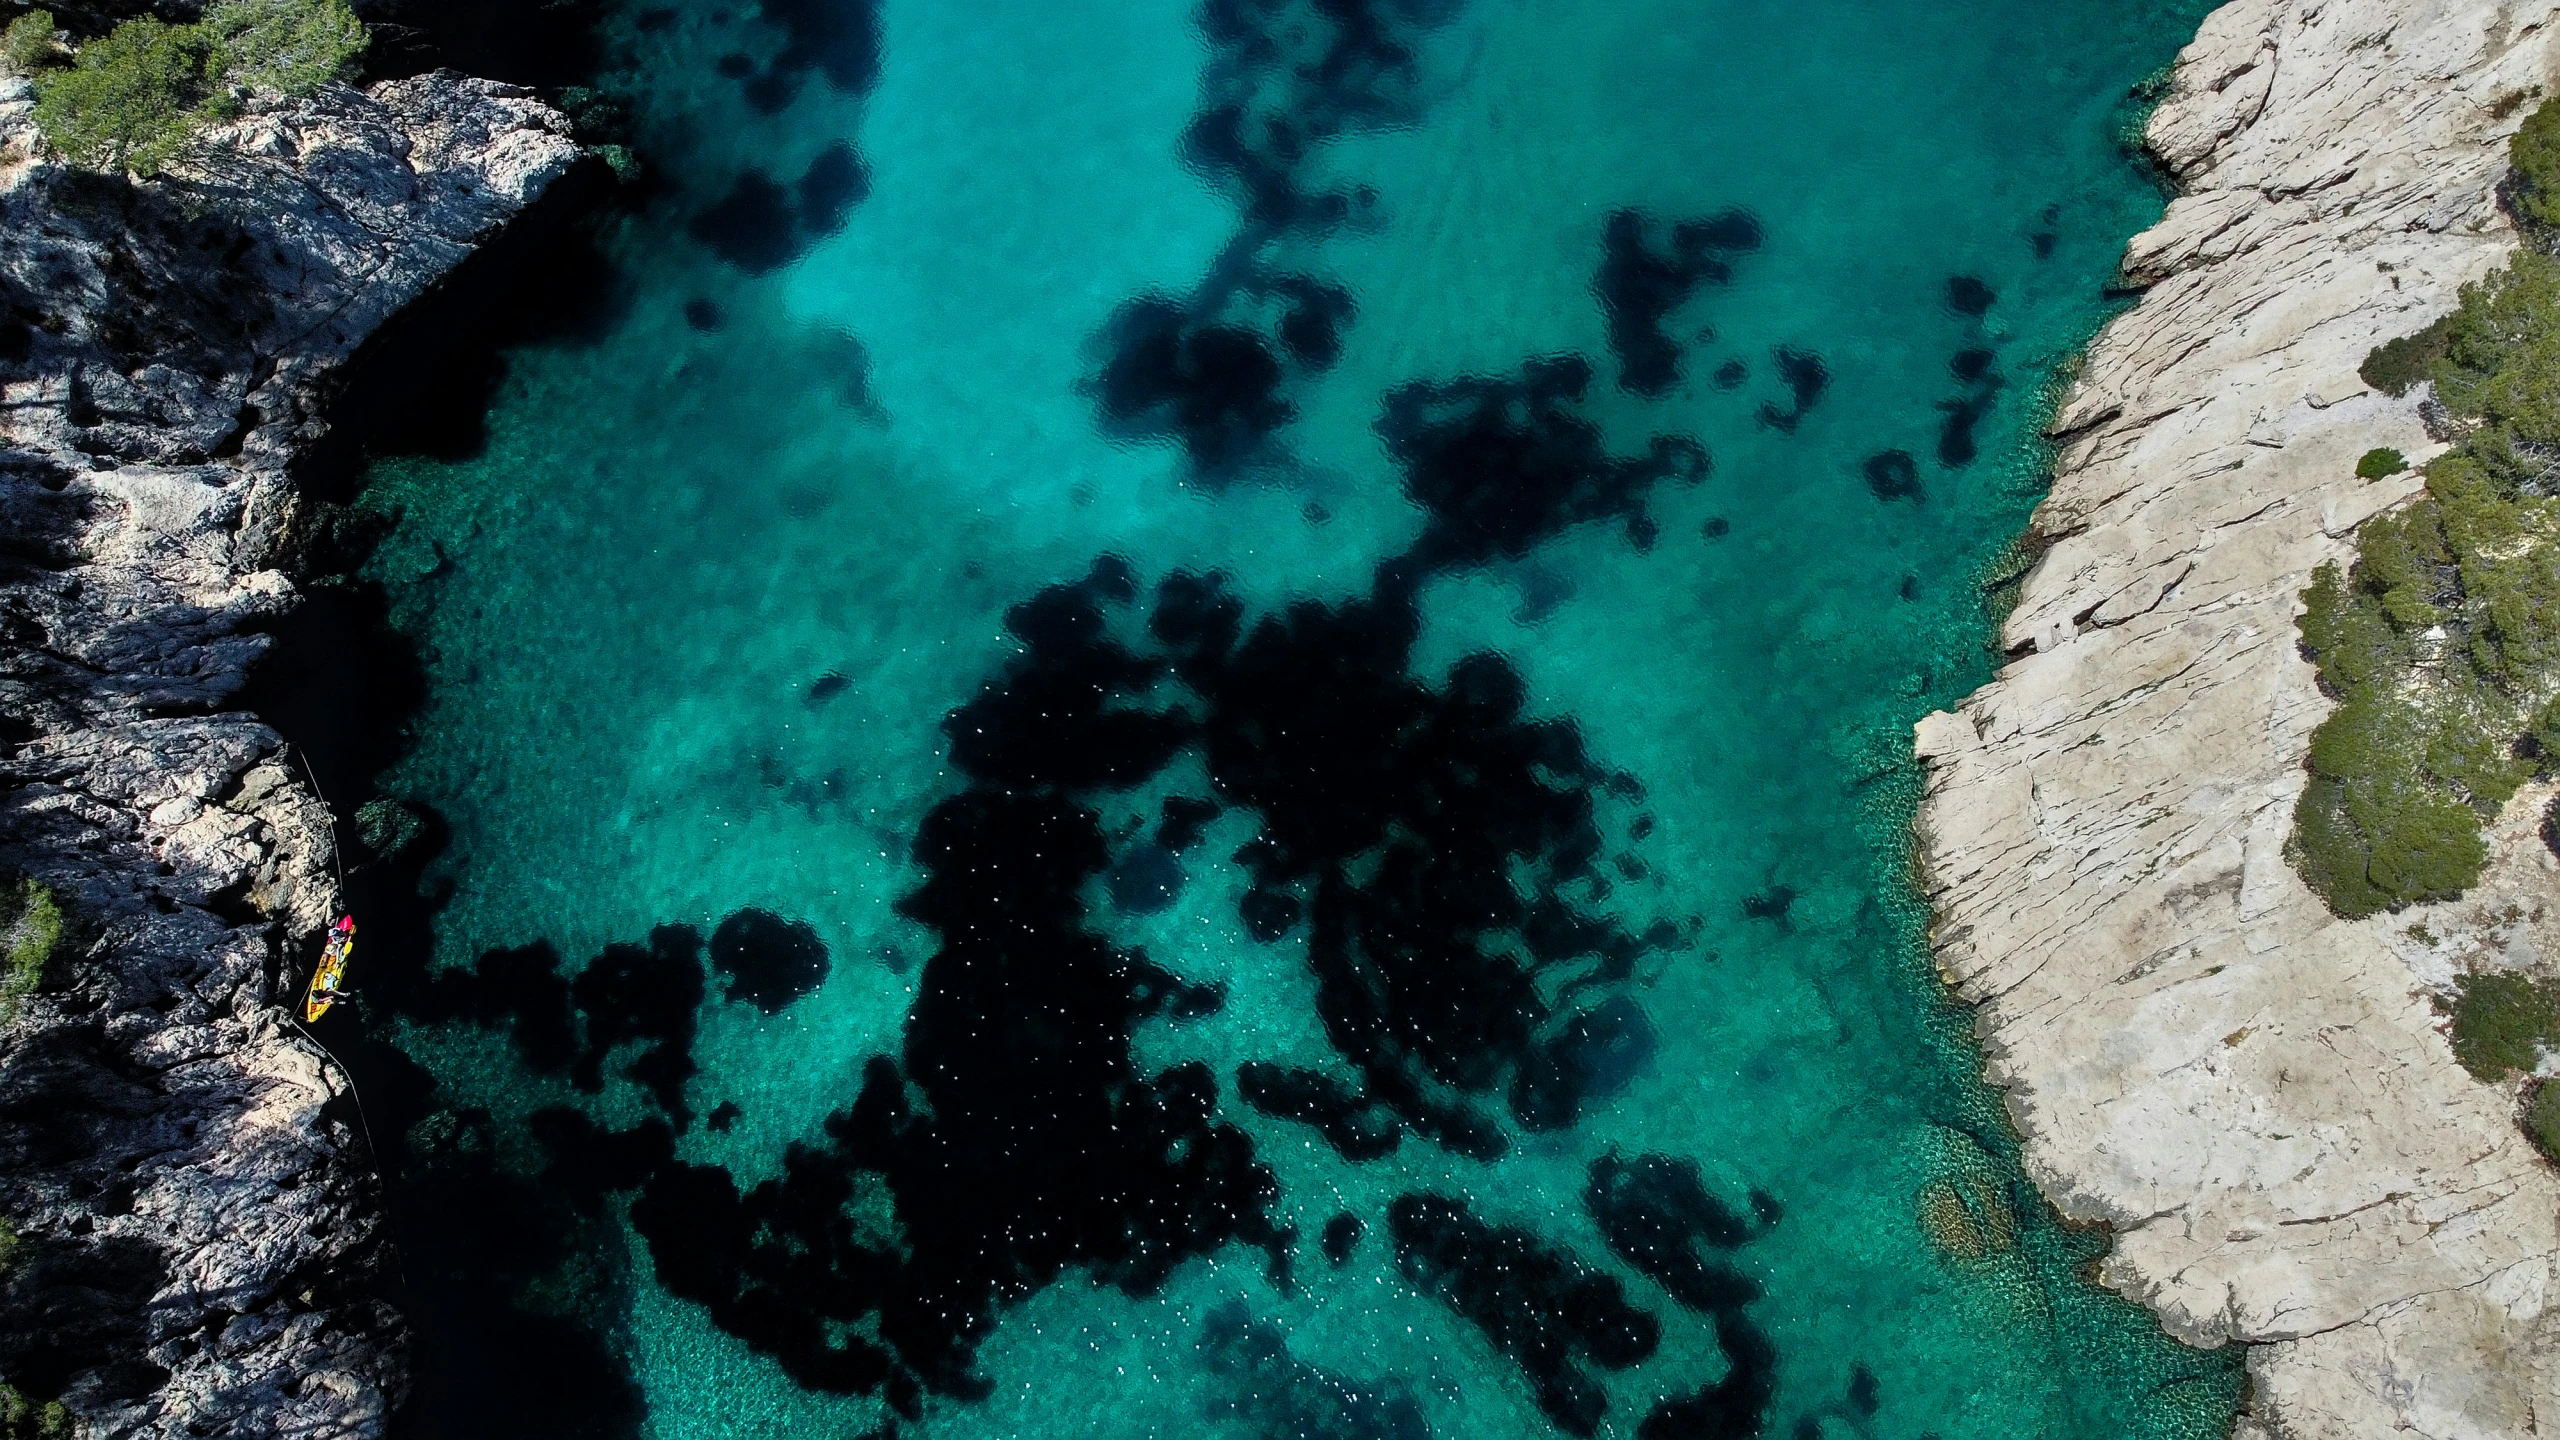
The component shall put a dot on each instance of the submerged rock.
(201, 1228)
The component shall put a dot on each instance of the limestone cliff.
(201, 1230)
(2254, 1095)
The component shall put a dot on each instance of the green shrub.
(28, 44)
(11, 1247)
(2542, 1119)
(22, 1419)
(2499, 346)
(2502, 1020)
(2380, 462)
(34, 929)
(131, 98)
(2442, 639)
(2396, 367)
(286, 47)
(2535, 155)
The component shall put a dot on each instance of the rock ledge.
(2254, 1095)
(202, 1244)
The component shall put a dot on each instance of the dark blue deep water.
(1193, 719)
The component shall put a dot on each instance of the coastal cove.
(1246, 719)
(980, 477)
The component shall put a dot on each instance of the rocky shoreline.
(2255, 1096)
(201, 1233)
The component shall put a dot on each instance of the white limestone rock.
(2254, 1095)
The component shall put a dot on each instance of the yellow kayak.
(333, 968)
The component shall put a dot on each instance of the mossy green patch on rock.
(2380, 462)
(2502, 1020)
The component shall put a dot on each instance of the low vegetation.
(2379, 462)
(23, 1419)
(2542, 1118)
(2502, 1021)
(128, 100)
(30, 42)
(2442, 640)
(33, 932)
(2533, 187)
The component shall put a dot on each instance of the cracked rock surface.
(2253, 1094)
(202, 1247)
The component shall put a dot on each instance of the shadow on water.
(501, 1276)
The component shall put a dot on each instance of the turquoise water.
(1630, 399)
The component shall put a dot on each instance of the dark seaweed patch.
(834, 183)
(837, 39)
(1805, 377)
(1183, 821)
(521, 988)
(1214, 387)
(1358, 1128)
(1643, 278)
(587, 1161)
(648, 995)
(1731, 374)
(703, 315)
(1956, 444)
(753, 226)
(1147, 879)
(1770, 904)
(770, 961)
(1212, 370)
(1311, 325)
(1596, 1055)
(1268, 915)
(1659, 1216)
(1968, 295)
(1863, 1399)
(1462, 820)
(1341, 1237)
(1503, 464)
(759, 225)
(474, 1236)
(1892, 475)
(1716, 527)
(1275, 1395)
(1538, 1304)
(1656, 1214)
(1973, 367)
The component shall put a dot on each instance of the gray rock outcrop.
(201, 1233)
(2254, 1095)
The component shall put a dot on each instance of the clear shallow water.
(1030, 422)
